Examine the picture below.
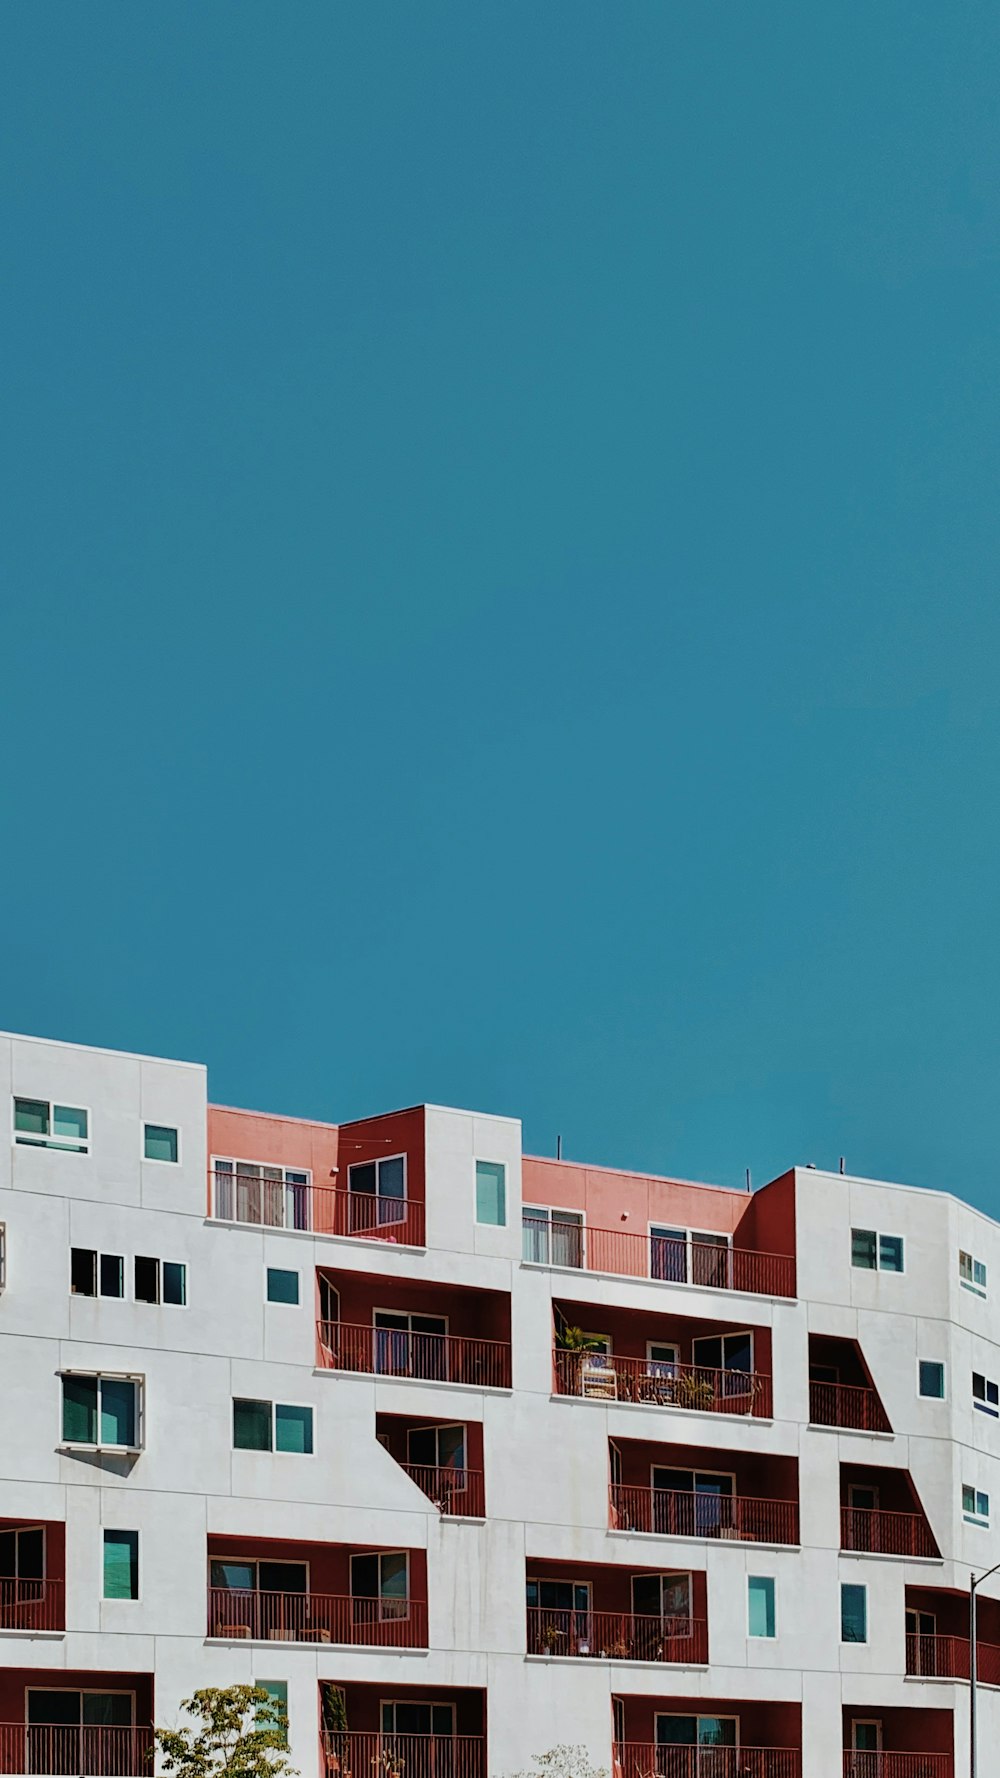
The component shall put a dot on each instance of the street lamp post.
(973, 1584)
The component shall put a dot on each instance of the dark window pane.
(112, 1274)
(282, 1287)
(362, 1179)
(147, 1280)
(80, 1410)
(174, 1282)
(252, 1425)
(83, 1271)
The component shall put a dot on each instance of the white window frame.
(717, 1238)
(430, 1704)
(152, 1160)
(734, 1333)
(302, 1182)
(60, 1144)
(984, 1405)
(384, 1617)
(975, 1517)
(97, 1293)
(865, 1722)
(437, 1428)
(378, 1164)
(486, 1161)
(944, 1379)
(15, 1531)
(564, 1210)
(138, 1382)
(970, 1284)
(274, 1405)
(661, 1463)
(880, 1236)
(105, 1600)
(774, 1600)
(661, 1575)
(82, 1691)
(699, 1716)
(663, 1345)
(274, 1302)
(159, 1303)
(865, 1641)
(254, 1562)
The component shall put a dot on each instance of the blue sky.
(500, 565)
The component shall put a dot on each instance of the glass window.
(274, 1714)
(82, 1271)
(932, 1379)
(251, 1425)
(147, 1280)
(159, 1142)
(99, 1410)
(975, 1505)
(174, 1282)
(293, 1429)
(972, 1273)
(121, 1564)
(491, 1193)
(79, 1424)
(112, 1272)
(890, 1253)
(853, 1613)
(985, 1395)
(117, 1411)
(282, 1287)
(864, 1249)
(38, 1124)
(760, 1605)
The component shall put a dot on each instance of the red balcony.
(898, 1742)
(57, 1720)
(458, 1493)
(707, 1265)
(316, 1617)
(650, 1759)
(856, 1408)
(881, 1533)
(616, 1636)
(32, 1570)
(443, 1457)
(263, 1590)
(101, 1752)
(897, 1765)
(32, 1604)
(414, 1732)
(350, 1754)
(732, 1518)
(660, 1384)
(433, 1357)
(289, 1200)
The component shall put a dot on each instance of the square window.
(282, 1286)
(491, 1193)
(931, 1379)
(864, 1249)
(760, 1605)
(31, 1117)
(853, 1613)
(69, 1121)
(293, 1429)
(890, 1253)
(100, 1410)
(159, 1142)
(121, 1564)
(273, 1715)
(251, 1425)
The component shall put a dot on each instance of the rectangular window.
(985, 1395)
(931, 1379)
(112, 1274)
(376, 1194)
(174, 1283)
(890, 1253)
(972, 1273)
(271, 1197)
(272, 1426)
(551, 1237)
(159, 1142)
(157, 1281)
(41, 1124)
(491, 1193)
(282, 1287)
(853, 1613)
(975, 1506)
(872, 1252)
(293, 1429)
(121, 1564)
(101, 1411)
(251, 1425)
(89, 1271)
(274, 1714)
(147, 1280)
(760, 1605)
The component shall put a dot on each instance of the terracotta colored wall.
(329, 1563)
(761, 1724)
(768, 1221)
(398, 1132)
(275, 1141)
(16, 1681)
(908, 1731)
(363, 1702)
(630, 1201)
(758, 1474)
(475, 1314)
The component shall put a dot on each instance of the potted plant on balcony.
(335, 1731)
(694, 1392)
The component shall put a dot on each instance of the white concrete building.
(465, 1454)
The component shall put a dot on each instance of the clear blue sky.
(500, 564)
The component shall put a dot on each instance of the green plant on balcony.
(573, 1339)
(694, 1392)
(387, 1764)
(334, 1706)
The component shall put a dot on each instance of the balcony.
(286, 1198)
(729, 1518)
(879, 1533)
(256, 1616)
(353, 1754)
(101, 1752)
(666, 1257)
(34, 1605)
(443, 1458)
(947, 1657)
(651, 1759)
(404, 1352)
(616, 1636)
(457, 1493)
(897, 1765)
(662, 1383)
(855, 1408)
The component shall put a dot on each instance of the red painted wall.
(611, 1586)
(907, 1731)
(275, 1141)
(758, 1474)
(329, 1563)
(396, 1427)
(373, 1138)
(15, 1681)
(474, 1314)
(761, 1724)
(629, 1201)
(363, 1702)
(629, 1331)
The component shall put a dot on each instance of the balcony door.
(441, 1452)
(866, 1747)
(377, 1194)
(731, 1355)
(691, 1502)
(269, 1599)
(434, 1724)
(80, 1732)
(22, 1576)
(551, 1237)
(714, 1739)
(559, 1617)
(380, 1587)
(921, 1643)
(410, 1345)
(661, 1608)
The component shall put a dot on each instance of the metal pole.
(972, 1676)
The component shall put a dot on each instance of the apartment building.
(462, 1454)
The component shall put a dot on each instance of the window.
(22, 1558)
(551, 1237)
(696, 1731)
(160, 1281)
(121, 1564)
(274, 1714)
(91, 1273)
(853, 1613)
(491, 1193)
(272, 1197)
(730, 1354)
(975, 1506)
(39, 1124)
(760, 1605)
(437, 1447)
(282, 1287)
(159, 1142)
(931, 1379)
(70, 1719)
(380, 1586)
(972, 1273)
(3, 1254)
(272, 1426)
(411, 1345)
(102, 1411)
(376, 1193)
(873, 1252)
(985, 1395)
(416, 1718)
(689, 1256)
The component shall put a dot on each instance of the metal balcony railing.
(32, 1604)
(660, 1384)
(315, 1209)
(458, 1493)
(885, 1534)
(845, 1404)
(394, 1352)
(648, 1759)
(316, 1617)
(349, 1754)
(59, 1748)
(736, 1518)
(898, 1765)
(947, 1657)
(616, 1636)
(631, 1254)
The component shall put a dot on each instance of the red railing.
(394, 1352)
(616, 1636)
(647, 1759)
(459, 1493)
(32, 1605)
(315, 1209)
(947, 1657)
(845, 1404)
(897, 1765)
(663, 1385)
(630, 1254)
(316, 1617)
(100, 1752)
(671, 1513)
(353, 1755)
(886, 1534)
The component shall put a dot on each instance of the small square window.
(293, 1429)
(760, 1605)
(931, 1379)
(282, 1286)
(864, 1249)
(853, 1613)
(890, 1253)
(491, 1193)
(159, 1142)
(121, 1564)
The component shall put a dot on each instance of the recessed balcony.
(562, 1239)
(881, 1513)
(705, 1737)
(658, 1361)
(324, 1593)
(431, 1333)
(32, 1567)
(841, 1391)
(60, 1721)
(696, 1491)
(937, 1635)
(444, 1458)
(898, 1743)
(606, 1613)
(420, 1732)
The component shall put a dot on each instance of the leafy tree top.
(239, 1731)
